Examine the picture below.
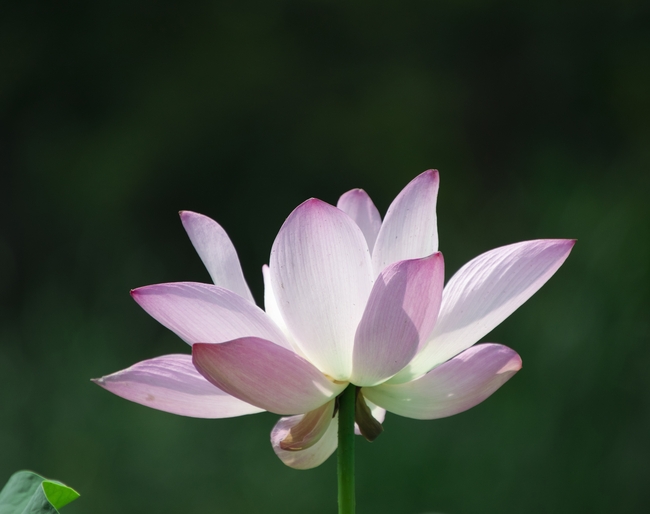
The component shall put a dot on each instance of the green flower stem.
(347, 401)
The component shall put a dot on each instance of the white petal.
(217, 252)
(358, 205)
(409, 230)
(453, 387)
(270, 303)
(483, 293)
(171, 383)
(399, 317)
(321, 278)
(203, 313)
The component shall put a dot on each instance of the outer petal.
(311, 457)
(206, 313)
(171, 383)
(483, 293)
(409, 230)
(217, 252)
(358, 205)
(321, 277)
(264, 374)
(453, 387)
(400, 315)
(310, 429)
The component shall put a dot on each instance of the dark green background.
(115, 115)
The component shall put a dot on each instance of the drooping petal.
(217, 252)
(311, 428)
(410, 229)
(312, 456)
(171, 383)
(483, 293)
(358, 205)
(206, 313)
(399, 317)
(377, 412)
(264, 374)
(453, 387)
(321, 278)
(364, 422)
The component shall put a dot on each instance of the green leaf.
(29, 493)
(59, 494)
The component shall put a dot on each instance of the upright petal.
(270, 303)
(206, 313)
(264, 374)
(217, 252)
(399, 317)
(483, 293)
(410, 229)
(310, 457)
(171, 383)
(453, 387)
(358, 205)
(321, 277)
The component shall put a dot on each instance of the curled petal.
(358, 205)
(453, 387)
(310, 429)
(400, 314)
(264, 374)
(206, 313)
(217, 252)
(410, 229)
(321, 278)
(171, 383)
(483, 293)
(317, 453)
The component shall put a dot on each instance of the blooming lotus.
(349, 299)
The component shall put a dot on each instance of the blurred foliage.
(114, 116)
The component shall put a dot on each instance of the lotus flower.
(349, 299)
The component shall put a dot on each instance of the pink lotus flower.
(348, 299)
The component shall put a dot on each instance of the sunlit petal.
(399, 317)
(264, 374)
(171, 383)
(483, 293)
(217, 252)
(410, 229)
(358, 205)
(321, 278)
(206, 313)
(453, 387)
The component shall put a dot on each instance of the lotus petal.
(453, 387)
(217, 253)
(399, 317)
(483, 293)
(321, 278)
(264, 374)
(410, 229)
(206, 313)
(358, 205)
(171, 383)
